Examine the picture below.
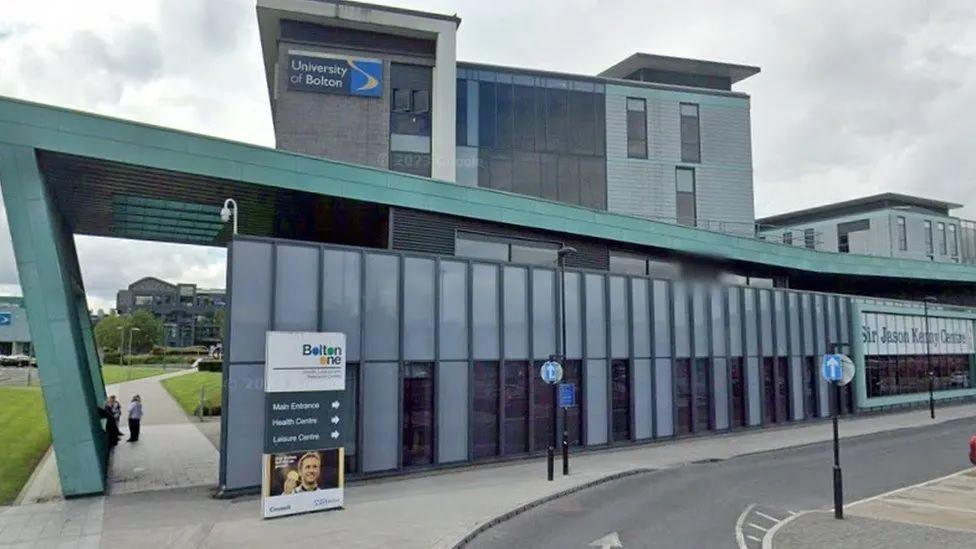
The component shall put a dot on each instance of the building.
(446, 286)
(888, 224)
(15, 336)
(188, 313)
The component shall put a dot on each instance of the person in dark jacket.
(111, 426)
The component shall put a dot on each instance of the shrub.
(112, 357)
(210, 365)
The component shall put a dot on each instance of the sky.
(854, 98)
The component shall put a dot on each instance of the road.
(699, 505)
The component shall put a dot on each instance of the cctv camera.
(225, 214)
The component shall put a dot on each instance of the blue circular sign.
(551, 372)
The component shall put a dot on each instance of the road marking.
(757, 527)
(791, 512)
(765, 516)
(911, 504)
(608, 541)
(767, 541)
(902, 489)
(754, 538)
(739, 537)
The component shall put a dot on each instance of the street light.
(229, 210)
(928, 357)
(562, 253)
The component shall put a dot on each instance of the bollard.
(550, 464)
(565, 453)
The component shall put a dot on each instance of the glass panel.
(627, 263)
(572, 371)
(557, 120)
(541, 410)
(682, 395)
(569, 181)
(582, 122)
(516, 407)
(782, 390)
(525, 118)
(534, 254)
(525, 176)
(418, 413)
(486, 114)
(810, 380)
(480, 249)
(352, 386)
(636, 130)
(485, 409)
(769, 390)
(703, 394)
(505, 117)
(690, 134)
(620, 400)
(737, 392)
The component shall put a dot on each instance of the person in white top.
(135, 418)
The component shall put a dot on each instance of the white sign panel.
(305, 361)
(900, 334)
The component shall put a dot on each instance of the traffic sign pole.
(565, 442)
(838, 475)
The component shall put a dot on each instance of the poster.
(305, 420)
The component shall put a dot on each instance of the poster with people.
(306, 423)
(301, 482)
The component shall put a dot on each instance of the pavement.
(936, 513)
(422, 511)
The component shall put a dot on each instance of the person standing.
(135, 418)
(114, 407)
(112, 433)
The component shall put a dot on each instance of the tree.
(150, 331)
(218, 320)
(107, 334)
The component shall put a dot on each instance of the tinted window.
(620, 399)
(484, 413)
(685, 186)
(462, 112)
(703, 394)
(480, 249)
(737, 392)
(690, 138)
(486, 114)
(418, 413)
(636, 128)
(809, 238)
(928, 237)
(516, 407)
(902, 234)
(627, 264)
(505, 119)
(953, 241)
(541, 411)
(525, 118)
(682, 395)
(582, 123)
(942, 238)
(557, 110)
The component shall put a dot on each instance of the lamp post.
(129, 369)
(928, 356)
(229, 210)
(562, 253)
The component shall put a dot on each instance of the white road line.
(740, 539)
(791, 512)
(765, 516)
(902, 489)
(754, 538)
(757, 527)
(767, 541)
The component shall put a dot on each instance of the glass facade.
(811, 373)
(572, 370)
(782, 389)
(516, 407)
(484, 410)
(902, 233)
(888, 375)
(497, 248)
(620, 399)
(737, 393)
(703, 395)
(684, 179)
(542, 412)
(682, 396)
(536, 136)
(636, 128)
(690, 133)
(418, 413)
(410, 116)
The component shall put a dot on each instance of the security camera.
(224, 214)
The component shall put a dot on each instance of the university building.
(417, 204)
(188, 313)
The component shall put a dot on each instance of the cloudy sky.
(854, 98)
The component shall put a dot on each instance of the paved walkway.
(433, 511)
(171, 451)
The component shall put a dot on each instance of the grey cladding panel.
(753, 393)
(662, 319)
(379, 415)
(596, 334)
(719, 326)
(735, 321)
(640, 320)
(663, 413)
(341, 297)
(382, 304)
(793, 302)
(720, 390)
(544, 321)
(250, 312)
(418, 309)
(750, 322)
(643, 399)
(779, 306)
(245, 409)
(796, 387)
(682, 337)
(700, 311)
(619, 331)
(484, 311)
(806, 303)
(452, 408)
(453, 316)
(574, 328)
(596, 402)
(296, 283)
(516, 313)
(766, 323)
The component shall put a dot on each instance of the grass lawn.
(186, 390)
(24, 437)
(117, 374)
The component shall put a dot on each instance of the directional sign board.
(567, 395)
(306, 423)
(551, 372)
(6, 319)
(837, 368)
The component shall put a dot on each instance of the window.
(737, 393)
(542, 411)
(516, 407)
(685, 193)
(788, 238)
(484, 413)
(418, 413)
(953, 241)
(515, 250)
(769, 390)
(628, 263)
(636, 128)
(845, 229)
(144, 300)
(929, 248)
(811, 376)
(942, 238)
(902, 233)
(574, 415)
(682, 396)
(620, 399)
(690, 133)
(809, 239)
(461, 108)
(703, 394)
(410, 119)
(402, 100)
(782, 389)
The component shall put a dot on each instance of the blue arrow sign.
(6, 319)
(551, 372)
(831, 368)
(567, 395)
